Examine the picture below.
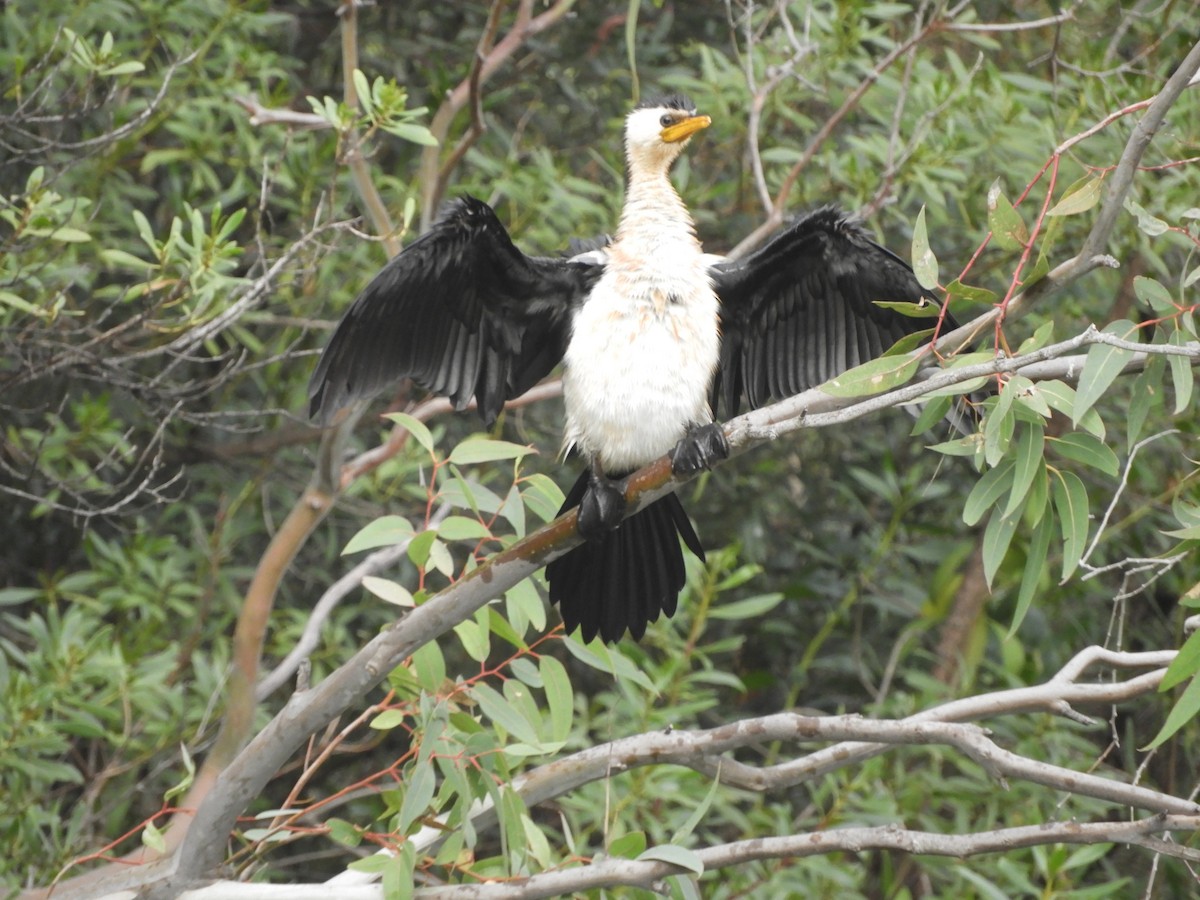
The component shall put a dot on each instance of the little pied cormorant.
(653, 334)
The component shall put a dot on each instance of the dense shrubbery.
(180, 225)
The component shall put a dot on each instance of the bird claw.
(602, 507)
(703, 446)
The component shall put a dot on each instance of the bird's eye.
(666, 120)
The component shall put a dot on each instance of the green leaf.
(419, 782)
(523, 606)
(474, 639)
(685, 830)
(922, 310)
(1035, 567)
(1036, 341)
(383, 532)
(968, 445)
(987, 491)
(924, 263)
(969, 293)
(1183, 712)
(541, 496)
(387, 720)
(8, 298)
(997, 537)
(601, 657)
(497, 708)
(1182, 374)
(420, 546)
(363, 88)
(1104, 363)
(1079, 197)
(413, 426)
(1154, 295)
(999, 426)
(500, 626)
(1087, 449)
(153, 838)
(440, 558)
(1149, 224)
(417, 134)
(129, 67)
(1004, 222)
(675, 856)
(1071, 502)
(478, 450)
(1145, 395)
(461, 528)
(628, 846)
(372, 865)
(872, 377)
(388, 590)
(910, 341)
(1030, 444)
(1184, 665)
(1060, 397)
(750, 608)
(559, 697)
(429, 664)
(343, 832)
(932, 412)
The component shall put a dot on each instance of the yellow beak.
(681, 131)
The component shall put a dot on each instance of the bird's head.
(657, 131)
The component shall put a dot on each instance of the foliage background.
(154, 439)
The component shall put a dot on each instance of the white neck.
(654, 211)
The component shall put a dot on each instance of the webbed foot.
(700, 448)
(602, 507)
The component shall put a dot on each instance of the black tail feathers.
(626, 578)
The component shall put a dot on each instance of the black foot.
(703, 445)
(602, 507)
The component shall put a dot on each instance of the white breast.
(642, 355)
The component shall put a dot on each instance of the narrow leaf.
(628, 846)
(924, 263)
(1182, 375)
(1104, 363)
(420, 782)
(1085, 448)
(500, 711)
(1154, 295)
(1030, 444)
(1184, 665)
(1035, 565)
(388, 590)
(1184, 710)
(462, 528)
(1071, 503)
(1078, 199)
(997, 538)
(873, 377)
(675, 856)
(477, 450)
(559, 697)
(415, 427)
(969, 292)
(1004, 221)
(383, 532)
(989, 489)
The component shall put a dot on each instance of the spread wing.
(461, 311)
(801, 309)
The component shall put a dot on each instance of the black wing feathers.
(801, 309)
(461, 311)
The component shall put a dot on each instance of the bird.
(654, 335)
